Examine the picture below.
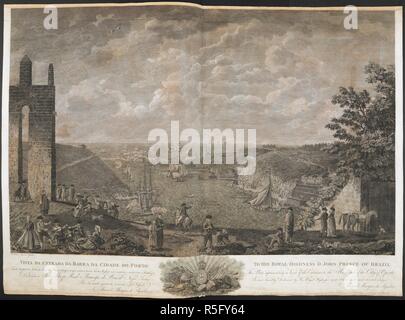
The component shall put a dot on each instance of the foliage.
(366, 128)
(306, 218)
(334, 185)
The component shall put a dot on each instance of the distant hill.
(291, 163)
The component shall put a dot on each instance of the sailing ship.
(143, 195)
(145, 192)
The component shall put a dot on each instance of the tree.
(365, 131)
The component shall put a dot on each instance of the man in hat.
(323, 217)
(183, 213)
(208, 230)
(289, 225)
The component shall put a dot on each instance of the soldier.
(289, 225)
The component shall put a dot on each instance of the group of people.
(155, 229)
(285, 235)
(41, 234)
(328, 222)
(184, 222)
(66, 193)
(84, 206)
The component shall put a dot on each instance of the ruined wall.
(380, 196)
(42, 153)
(349, 199)
(368, 195)
(15, 145)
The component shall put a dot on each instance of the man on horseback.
(183, 218)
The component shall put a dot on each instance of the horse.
(350, 222)
(364, 221)
(184, 223)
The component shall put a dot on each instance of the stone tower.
(40, 100)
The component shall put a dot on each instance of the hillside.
(81, 167)
(293, 163)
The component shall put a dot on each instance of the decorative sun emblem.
(200, 275)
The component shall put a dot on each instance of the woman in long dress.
(331, 233)
(29, 240)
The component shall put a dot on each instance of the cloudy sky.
(120, 72)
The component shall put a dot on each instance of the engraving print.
(315, 97)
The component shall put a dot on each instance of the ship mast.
(270, 189)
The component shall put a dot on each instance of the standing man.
(42, 229)
(152, 234)
(44, 204)
(159, 225)
(24, 191)
(63, 193)
(72, 193)
(59, 192)
(331, 232)
(208, 230)
(324, 221)
(289, 225)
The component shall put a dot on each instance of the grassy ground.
(242, 240)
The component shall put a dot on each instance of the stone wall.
(348, 200)
(42, 153)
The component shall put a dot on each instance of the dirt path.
(183, 244)
(71, 164)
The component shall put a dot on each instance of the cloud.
(121, 71)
